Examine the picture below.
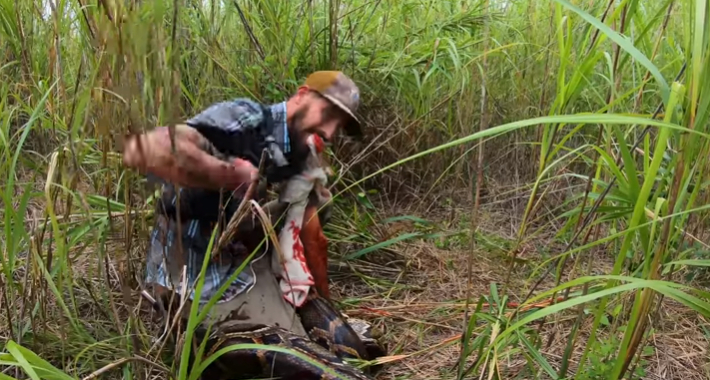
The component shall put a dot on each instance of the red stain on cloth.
(298, 250)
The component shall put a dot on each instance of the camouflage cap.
(341, 91)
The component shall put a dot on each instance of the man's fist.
(192, 165)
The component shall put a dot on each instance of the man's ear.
(302, 93)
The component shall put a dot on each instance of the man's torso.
(238, 129)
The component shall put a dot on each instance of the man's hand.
(190, 166)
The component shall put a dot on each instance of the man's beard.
(298, 135)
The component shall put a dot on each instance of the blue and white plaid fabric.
(195, 235)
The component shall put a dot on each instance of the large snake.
(330, 340)
(331, 337)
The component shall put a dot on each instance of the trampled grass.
(517, 153)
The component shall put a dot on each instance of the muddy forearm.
(196, 163)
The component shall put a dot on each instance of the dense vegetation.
(584, 122)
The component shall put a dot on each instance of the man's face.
(315, 114)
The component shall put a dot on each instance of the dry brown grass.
(423, 313)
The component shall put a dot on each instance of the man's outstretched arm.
(192, 165)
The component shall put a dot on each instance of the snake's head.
(369, 335)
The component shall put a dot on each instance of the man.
(220, 149)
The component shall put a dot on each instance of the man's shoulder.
(248, 105)
(232, 115)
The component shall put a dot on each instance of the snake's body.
(330, 340)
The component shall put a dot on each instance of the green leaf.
(541, 361)
(33, 365)
(626, 45)
(406, 217)
(384, 244)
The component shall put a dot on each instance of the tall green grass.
(609, 98)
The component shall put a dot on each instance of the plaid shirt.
(162, 267)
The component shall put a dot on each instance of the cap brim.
(352, 127)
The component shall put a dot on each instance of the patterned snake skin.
(331, 339)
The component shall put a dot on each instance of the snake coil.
(330, 340)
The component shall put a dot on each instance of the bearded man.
(217, 154)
